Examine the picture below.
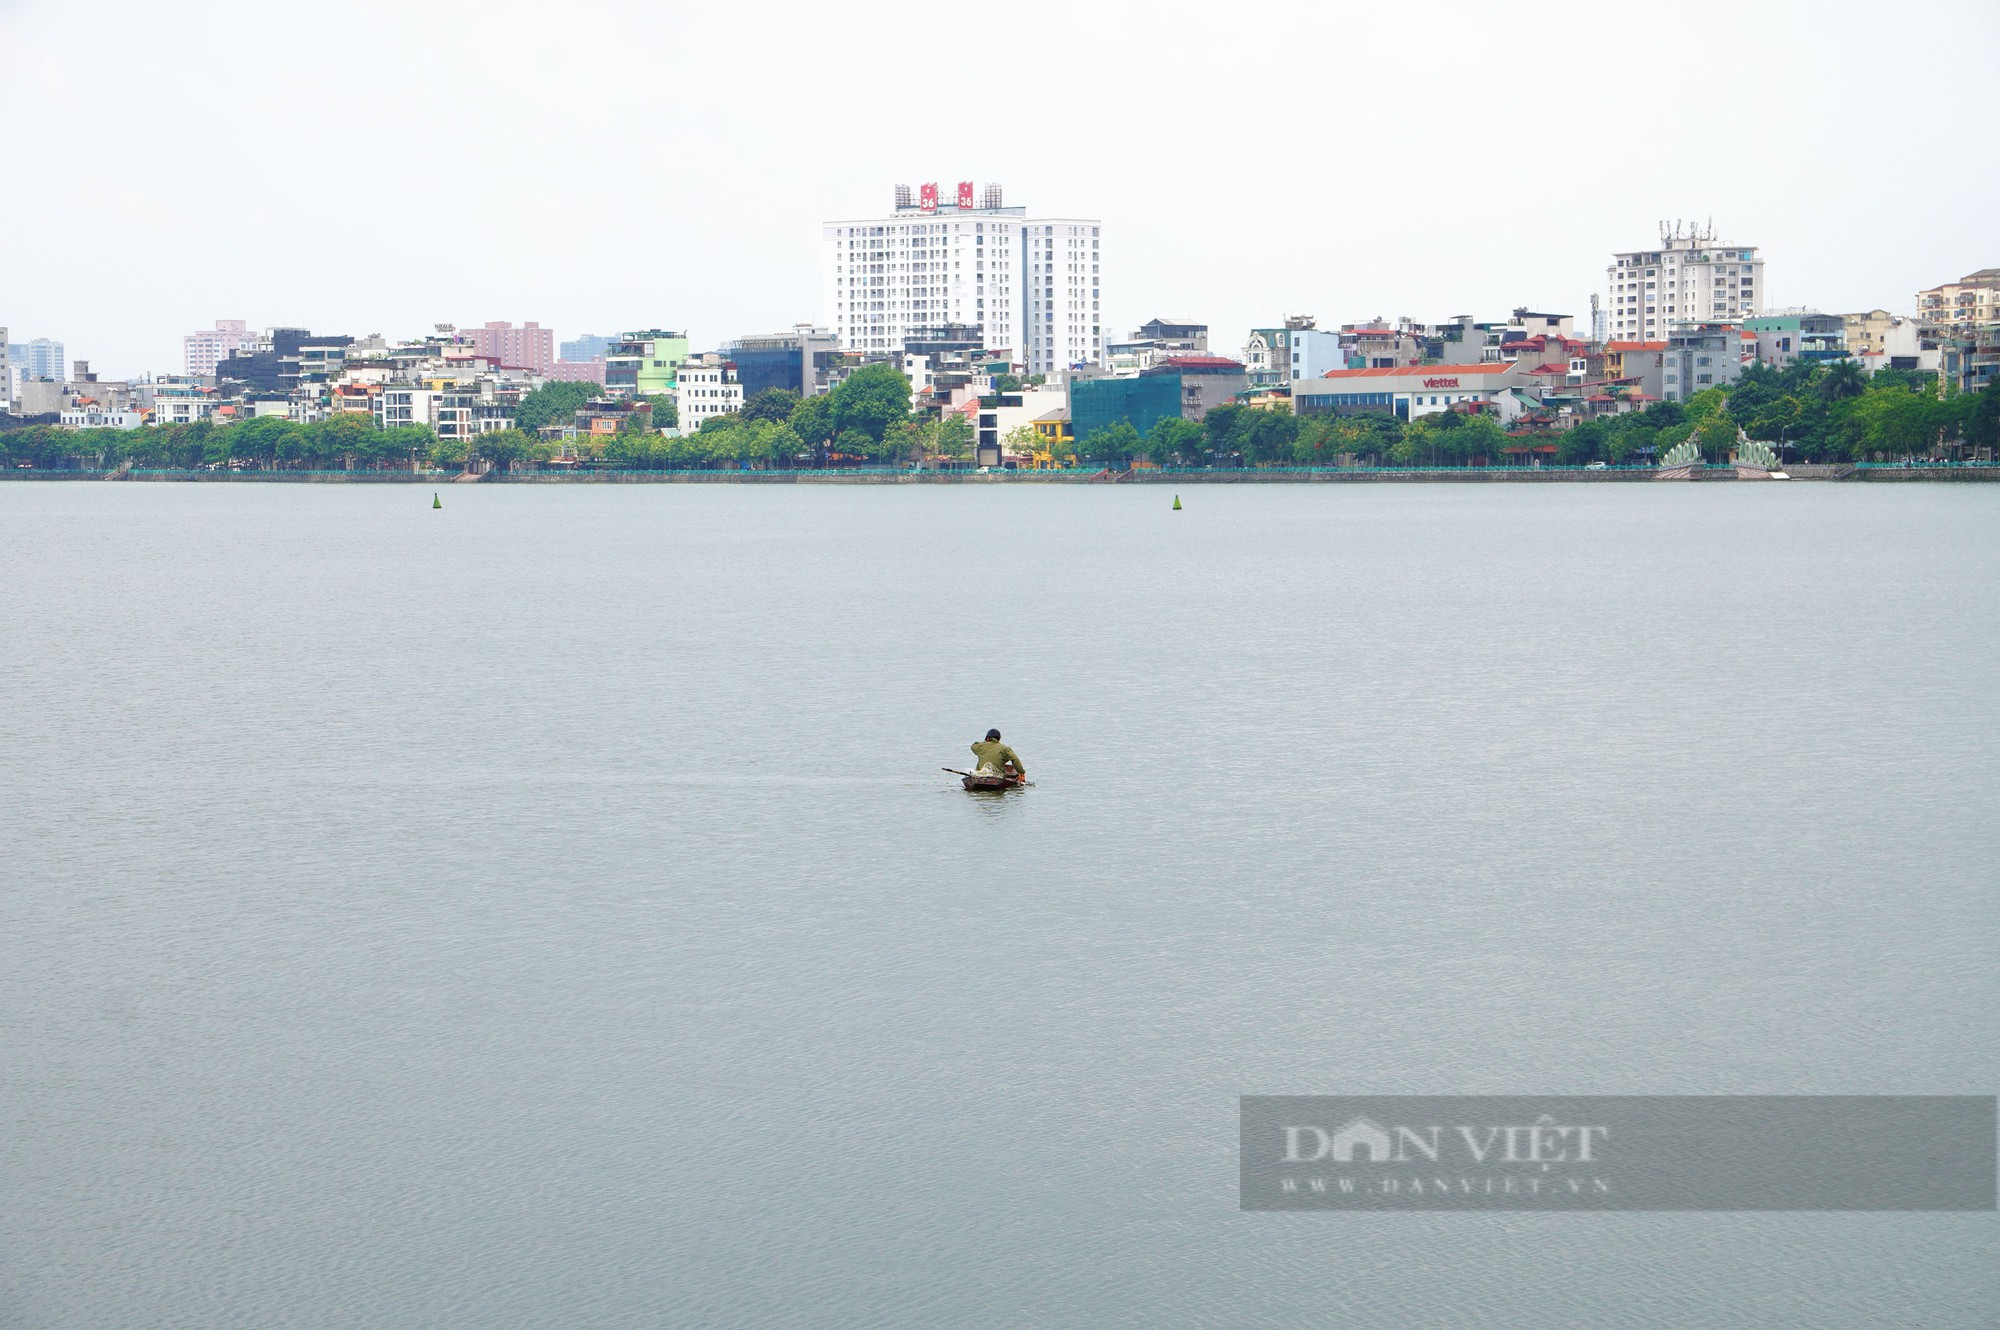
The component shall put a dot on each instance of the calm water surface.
(548, 911)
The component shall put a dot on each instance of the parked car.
(1593, 466)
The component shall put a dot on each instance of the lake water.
(549, 911)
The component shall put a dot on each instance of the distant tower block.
(990, 196)
(903, 199)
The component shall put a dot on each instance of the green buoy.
(434, 500)
(1177, 503)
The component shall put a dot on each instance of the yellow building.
(1957, 308)
(1054, 429)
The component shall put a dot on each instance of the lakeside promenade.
(1847, 472)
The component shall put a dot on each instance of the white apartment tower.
(1690, 278)
(967, 268)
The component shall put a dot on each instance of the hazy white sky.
(379, 167)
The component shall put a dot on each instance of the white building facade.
(1030, 286)
(96, 417)
(182, 404)
(1315, 353)
(1689, 278)
(705, 387)
(1411, 391)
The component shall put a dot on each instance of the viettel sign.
(1440, 383)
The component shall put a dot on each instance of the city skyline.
(1340, 164)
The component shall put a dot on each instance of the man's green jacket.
(993, 753)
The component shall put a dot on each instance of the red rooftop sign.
(1440, 383)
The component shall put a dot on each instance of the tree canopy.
(870, 400)
(553, 404)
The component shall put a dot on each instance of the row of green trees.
(1243, 436)
(1808, 412)
(868, 416)
(345, 442)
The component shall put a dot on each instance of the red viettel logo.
(1440, 383)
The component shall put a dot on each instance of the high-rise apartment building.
(530, 346)
(41, 358)
(1690, 278)
(202, 351)
(587, 346)
(1029, 285)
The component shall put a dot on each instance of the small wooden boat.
(983, 780)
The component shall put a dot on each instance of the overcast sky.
(362, 167)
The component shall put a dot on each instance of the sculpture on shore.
(1757, 453)
(1685, 453)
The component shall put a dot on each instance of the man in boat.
(997, 759)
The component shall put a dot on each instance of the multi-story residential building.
(1154, 342)
(1791, 335)
(1001, 413)
(1031, 285)
(586, 346)
(1881, 340)
(1206, 382)
(85, 388)
(322, 359)
(1961, 308)
(272, 363)
(1313, 352)
(1381, 345)
(399, 405)
(6, 376)
(201, 350)
(530, 346)
(1703, 356)
(38, 358)
(705, 387)
(1302, 350)
(1691, 278)
(642, 364)
(100, 417)
(1180, 336)
(38, 397)
(183, 403)
(1459, 340)
(1970, 364)
(1526, 323)
(1268, 353)
(1637, 367)
(578, 371)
